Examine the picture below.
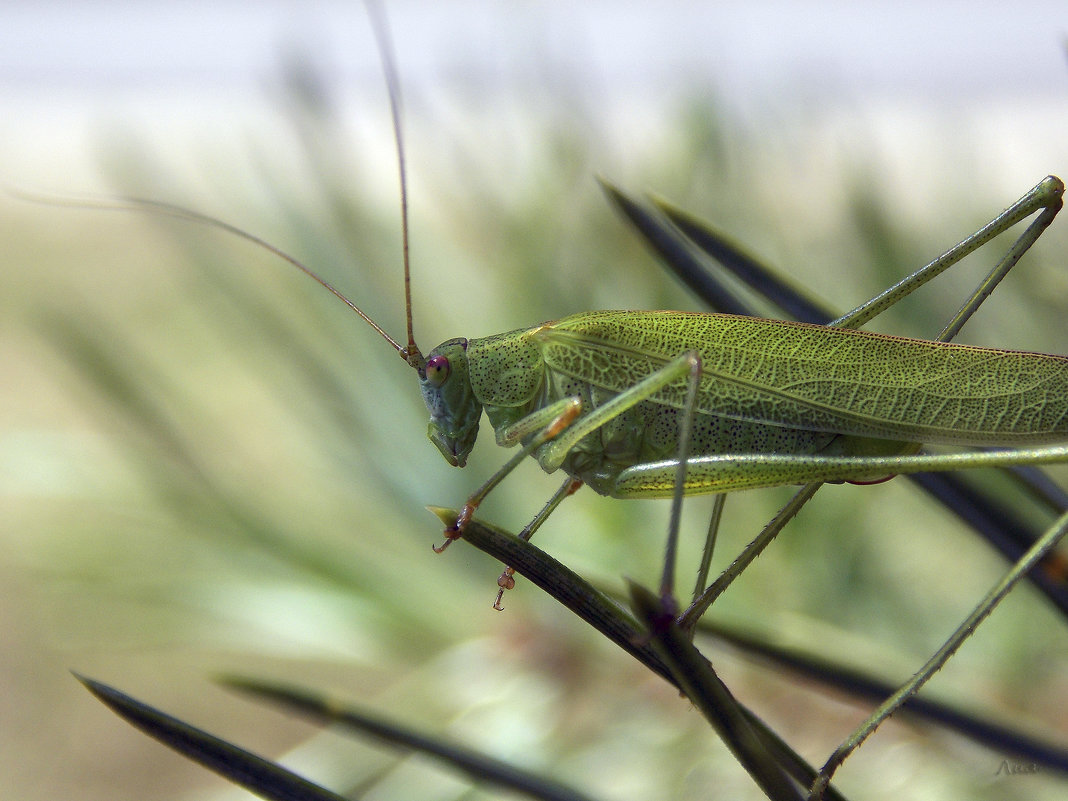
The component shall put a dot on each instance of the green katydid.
(779, 402)
(601, 395)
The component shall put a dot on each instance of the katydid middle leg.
(541, 427)
(506, 581)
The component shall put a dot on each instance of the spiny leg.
(688, 619)
(710, 544)
(1047, 195)
(733, 472)
(725, 473)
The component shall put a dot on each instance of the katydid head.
(454, 409)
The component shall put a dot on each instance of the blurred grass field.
(210, 465)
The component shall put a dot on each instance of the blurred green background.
(208, 464)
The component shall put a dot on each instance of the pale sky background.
(951, 49)
(68, 68)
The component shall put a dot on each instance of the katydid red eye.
(437, 370)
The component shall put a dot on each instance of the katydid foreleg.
(567, 427)
(546, 424)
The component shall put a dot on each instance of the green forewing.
(823, 379)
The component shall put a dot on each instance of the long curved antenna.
(180, 213)
(411, 353)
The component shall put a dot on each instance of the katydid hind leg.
(686, 419)
(711, 536)
(1046, 196)
(1042, 547)
(729, 473)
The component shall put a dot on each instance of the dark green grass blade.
(696, 678)
(476, 765)
(567, 587)
(256, 774)
(673, 248)
(788, 297)
(865, 687)
(611, 620)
